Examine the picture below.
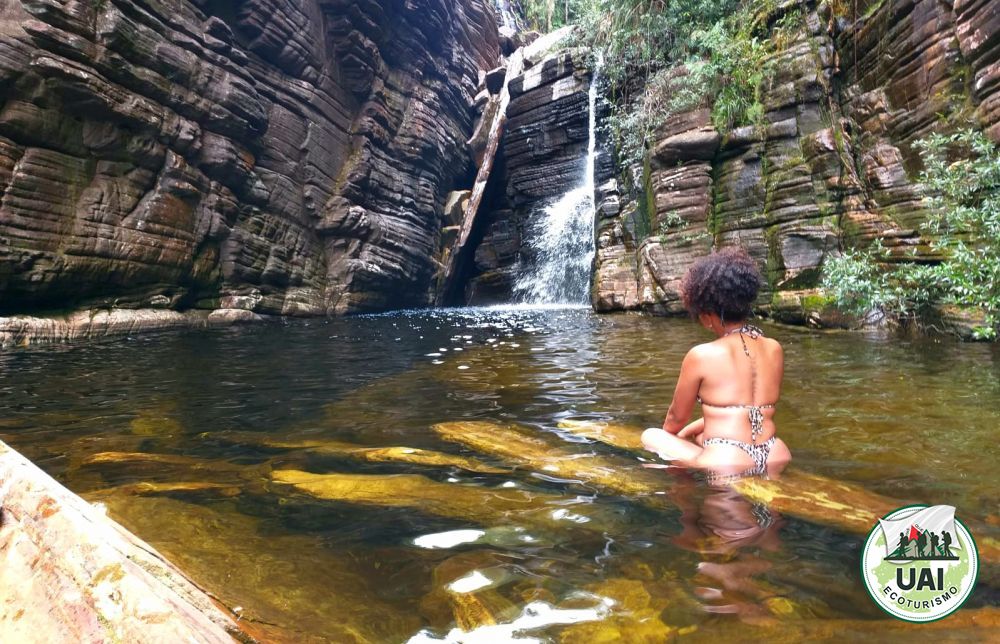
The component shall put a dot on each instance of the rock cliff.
(277, 156)
(845, 95)
(543, 153)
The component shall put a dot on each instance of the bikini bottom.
(756, 451)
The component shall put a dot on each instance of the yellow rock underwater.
(393, 454)
(485, 506)
(522, 448)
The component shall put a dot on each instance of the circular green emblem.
(920, 563)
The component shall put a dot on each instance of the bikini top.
(754, 412)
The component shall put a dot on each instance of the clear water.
(914, 420)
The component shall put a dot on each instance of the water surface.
(914, 420)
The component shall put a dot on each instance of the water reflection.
(187, 437)
(729, 533)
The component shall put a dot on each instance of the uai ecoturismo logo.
(919, 563)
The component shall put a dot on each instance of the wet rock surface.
(282, 158)
(70, 573)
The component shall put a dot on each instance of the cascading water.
(561, 237)
(510, 13)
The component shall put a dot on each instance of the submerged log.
(517, 446)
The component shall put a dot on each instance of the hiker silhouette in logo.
(934, 545)
(921, 544)
(946, 546)
(904, 541)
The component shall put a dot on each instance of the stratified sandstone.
(544, 150)
(832, 164)
(23, 330)
(286, 157)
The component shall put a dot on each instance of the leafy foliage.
(546, 15)
(666, 57)
(964, 199)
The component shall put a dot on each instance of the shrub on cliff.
(961, 181)
(663, 58)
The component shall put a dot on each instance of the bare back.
(737, 380)
(731, 382)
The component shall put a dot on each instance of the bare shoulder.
(773, 348)
(705, 356)
(705, 351)
(773, 345)
(699, 355)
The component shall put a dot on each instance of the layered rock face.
(543, 153)
(832, 164)
(283, 157)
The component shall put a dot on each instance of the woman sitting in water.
(736, 378)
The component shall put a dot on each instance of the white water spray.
(562, 236)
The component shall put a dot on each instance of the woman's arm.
(692, 429)
(688, 384)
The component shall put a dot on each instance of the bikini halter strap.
(746, 330)
(754, 413)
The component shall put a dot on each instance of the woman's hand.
(692, 430)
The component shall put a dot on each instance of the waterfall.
(561, 237)
(509, 12)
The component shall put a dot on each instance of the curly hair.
(725, 283)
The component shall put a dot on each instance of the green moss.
(817, 302)
(774, 266)
(872, 8)
(646, 210)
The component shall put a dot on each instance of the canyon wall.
(276, 156)
(845, 95)
(543, 155)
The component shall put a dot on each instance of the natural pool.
(513, 551)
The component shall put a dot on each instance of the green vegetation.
(670, 220)
(666, 57)
(548, 15)
(964, 200)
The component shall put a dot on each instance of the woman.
(736, 378)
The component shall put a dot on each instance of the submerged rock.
(804, 495)
(389, 454)
(518, 446)
(485, 506)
